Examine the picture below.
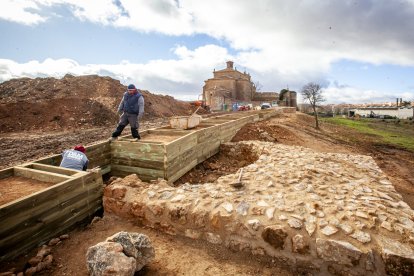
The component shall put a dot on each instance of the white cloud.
(282, 43)
(23, 12)
(188, 71)
(293, 35)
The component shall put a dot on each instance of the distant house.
(401, 112)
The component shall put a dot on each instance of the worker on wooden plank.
(131, 109)
(75, 159)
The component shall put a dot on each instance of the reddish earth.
(73, 102)
(229, 160)
(30, 135)
(14, 187)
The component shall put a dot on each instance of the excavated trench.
(229, 160)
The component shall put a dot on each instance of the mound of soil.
(73, 102)
(265, 131)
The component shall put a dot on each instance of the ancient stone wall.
(324, 213)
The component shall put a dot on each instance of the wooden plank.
(143, 177)
(207, 134)
(56, 209)
(39, 197)
(47, 209)
(138, 156)
(100, 152)
(50, 160)
(149, 164)
(227, 138)
(181, 145)
(6, 173)
(137, 150)
(180, 161)
(103, 154)
(29, 208)
(99, 163)
(206, 152)
(139, 171)
(138, 146)
(169, 132)
(178, 174)
(40, 175)
(53, 169)
(102, 146)
(42, 234)
(105, 169)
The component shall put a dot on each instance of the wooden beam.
(52, 169)
(6, 173)
(40, 175)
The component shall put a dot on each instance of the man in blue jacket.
(132, 109)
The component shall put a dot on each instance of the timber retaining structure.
(75, 196)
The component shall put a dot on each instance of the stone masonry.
(324, 213)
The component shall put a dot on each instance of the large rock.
(339, 252)
(107, 258)
(398, 258)
(135, 245)
(275, 235)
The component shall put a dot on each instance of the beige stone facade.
(229, 86)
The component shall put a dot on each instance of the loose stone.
(227, 206)
(386, 225)
(243, 208)
(361, 236)
(295, 223)
(270, 212)
(329, 230)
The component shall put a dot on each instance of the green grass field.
(385, 131)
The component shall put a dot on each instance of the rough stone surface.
(343, 201)
(299, 244)
(135, 245)
(338, 251)
(398, 257)
(275, 235)
(107, 258)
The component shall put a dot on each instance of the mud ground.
(182, 256)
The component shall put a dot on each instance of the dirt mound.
(54, 114)
(265, 131)
(73, 102)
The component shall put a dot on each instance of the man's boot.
(118, 131)
(135, 134)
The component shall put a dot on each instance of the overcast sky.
(360, 51)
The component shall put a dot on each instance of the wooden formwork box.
(29, 221)
(99, 155)
(171, 160)
(143, 158)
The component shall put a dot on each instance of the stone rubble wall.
(324, 213)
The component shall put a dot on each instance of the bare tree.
(258, 86)
(312, 93)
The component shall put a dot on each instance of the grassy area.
(389, 132)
